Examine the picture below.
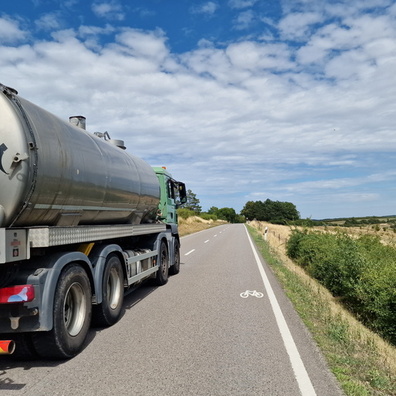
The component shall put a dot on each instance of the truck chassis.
(59, 278)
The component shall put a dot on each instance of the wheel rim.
(74, 309)
(114, 288)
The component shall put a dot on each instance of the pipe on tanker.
(7, 347)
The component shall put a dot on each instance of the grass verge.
(196, 224)
(363, 363)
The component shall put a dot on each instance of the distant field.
(382, 230)
(278, 234)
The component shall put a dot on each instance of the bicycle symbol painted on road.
(253, 293)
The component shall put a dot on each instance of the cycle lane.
(288, 364)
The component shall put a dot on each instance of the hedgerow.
(360, 271)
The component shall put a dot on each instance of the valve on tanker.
(115, 142)
(78, 121)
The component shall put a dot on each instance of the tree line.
(271, 211)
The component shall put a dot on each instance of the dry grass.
(383, 231)
(195, 223)
(278, 234)
(367, 344)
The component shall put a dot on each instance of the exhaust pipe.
(7, 347)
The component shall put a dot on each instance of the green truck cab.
(173, 195)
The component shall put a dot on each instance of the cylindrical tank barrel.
(54, 173)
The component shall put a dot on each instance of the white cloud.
(49, 22)
(208, 8)
(253, 56)
(144, 44)
(244, 20)
(10, 32)
(297, 26)
(238, 4)
(111, 10)
(87, 31)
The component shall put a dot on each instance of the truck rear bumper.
(19, 319)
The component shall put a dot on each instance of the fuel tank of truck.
(54, 173)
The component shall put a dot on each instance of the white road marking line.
(206, 241)
(302, 377)
(193, 250)
(216, 235)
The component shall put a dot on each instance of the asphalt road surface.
(222, 326)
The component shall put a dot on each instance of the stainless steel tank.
(54, 173)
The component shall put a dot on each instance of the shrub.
(293, 244)
(362, 271)
(185, 213)
(207, 216)
(376, 292)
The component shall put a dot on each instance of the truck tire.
(108, 312)
(163, 258)
(175, 268)
(71, 316)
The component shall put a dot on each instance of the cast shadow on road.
(8, 363)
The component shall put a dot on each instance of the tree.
(213, 210)
(227, 214)
(192, 202)
(250, 210)
(272, 211)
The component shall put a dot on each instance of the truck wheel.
(108, 312)
(175, 268)
(71, 316)
(163, 258)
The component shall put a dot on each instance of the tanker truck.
(82, 223)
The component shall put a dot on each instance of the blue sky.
(243, 100)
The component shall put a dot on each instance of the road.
(194, 336)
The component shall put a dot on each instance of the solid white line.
(189, 252)
(302, 377)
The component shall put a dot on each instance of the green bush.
(376, 292)
(185, 213)
(362, 271)
(293, 249)
(207, 216)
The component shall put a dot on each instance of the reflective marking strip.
(189, 252)
(302, 377)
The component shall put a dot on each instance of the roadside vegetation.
(358, 270)
(193, 224)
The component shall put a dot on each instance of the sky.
(243, 100)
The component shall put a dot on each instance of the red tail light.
(16, 294)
